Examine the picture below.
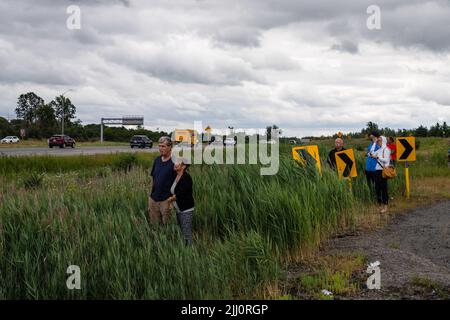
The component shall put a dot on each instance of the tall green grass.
(16, 166)
(91, 211)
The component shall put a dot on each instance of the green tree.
(64, 107)
(421, 131)
(27, 105)
(272, 129)
(445, 130)
(436, 131)
(5, 128)
(370, 126)
(46, 121)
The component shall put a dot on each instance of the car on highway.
(141, 141)
(268, 141)
(229, 142)
(62, 141)
(10, 139)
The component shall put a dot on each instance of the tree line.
(42, 120)
(437, 130)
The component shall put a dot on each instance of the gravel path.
(415, 244)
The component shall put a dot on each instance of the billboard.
(133, 121)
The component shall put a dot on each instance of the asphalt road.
(39, 151)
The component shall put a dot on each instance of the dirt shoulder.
(413, 250)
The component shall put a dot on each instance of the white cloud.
(311, 67)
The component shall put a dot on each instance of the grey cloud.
(26, 67)
(126, 3)
(438, 93)
(424, 25)
(241, 52)
(186, 61)
(239, 35)
(404, 22)
(346, 46)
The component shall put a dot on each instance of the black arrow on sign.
(348, 164)
(408, 149)
(307, 157)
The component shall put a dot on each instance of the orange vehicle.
(186, 135)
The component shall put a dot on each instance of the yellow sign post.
(406, 151)
(307, 155)
(346, 165)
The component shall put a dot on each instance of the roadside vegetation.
(91, 211)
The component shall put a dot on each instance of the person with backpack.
(383, 157)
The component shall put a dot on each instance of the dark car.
(61, 141)
(141, 142)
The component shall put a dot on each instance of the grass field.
(91, 211)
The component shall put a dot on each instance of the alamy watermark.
(259, 148)
(74, 280)
(374, 20)
(73, 22)
(374, 280)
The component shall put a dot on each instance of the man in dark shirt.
(338, 146)
(163, 176)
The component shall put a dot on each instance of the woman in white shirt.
(383, 156)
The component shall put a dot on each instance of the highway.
(45, 151)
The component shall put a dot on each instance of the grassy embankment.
(91, 211)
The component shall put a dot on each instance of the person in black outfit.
(338, 146)
(182, 199)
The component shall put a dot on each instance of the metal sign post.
(407, 179)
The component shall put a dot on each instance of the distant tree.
(421, 131)
(5, 128)
(63, 106)
(445, 130)
(404, 133)
(27, 104)
(270, 129)
(371, 126)
(388, 132)
(46, 120)
(436, 131)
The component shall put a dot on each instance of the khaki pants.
(159, 211)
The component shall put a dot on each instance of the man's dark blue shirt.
(163, 177)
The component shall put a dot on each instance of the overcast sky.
(310, 67)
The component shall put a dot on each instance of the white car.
(10, 139)
(268, 141)
(229, 142)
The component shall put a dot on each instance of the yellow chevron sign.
(307, 155)
(346, 164)
(406, 149)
